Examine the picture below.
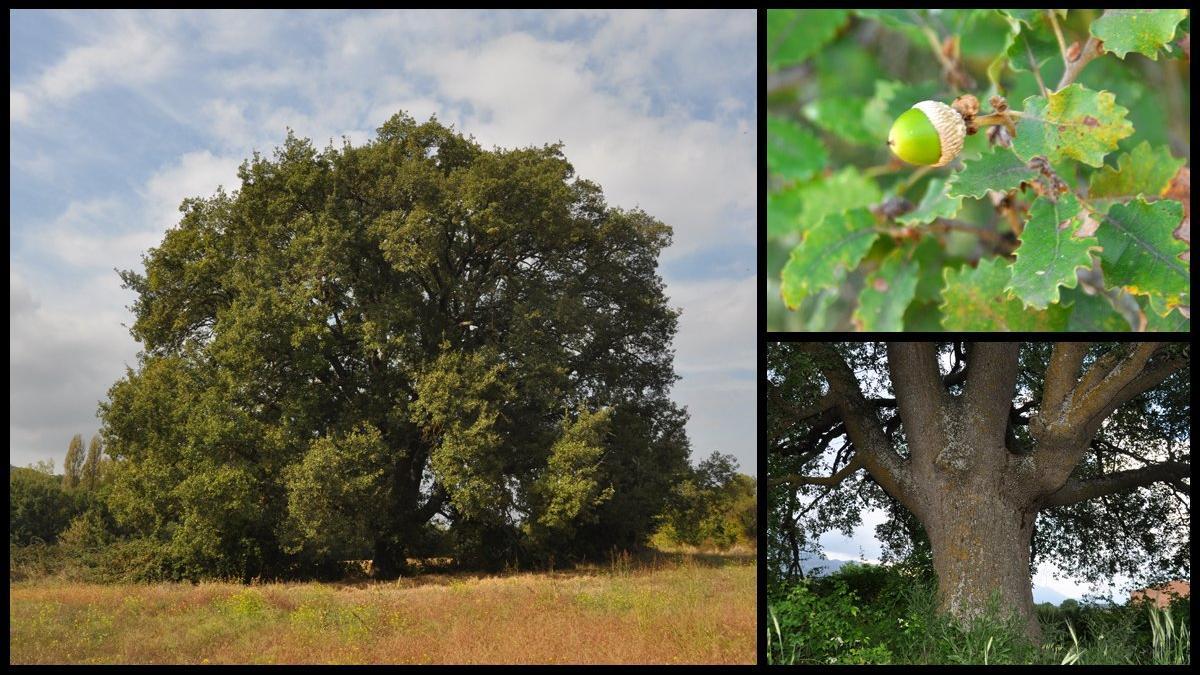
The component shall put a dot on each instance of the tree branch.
(889, 469)
(853, 465)
(1062, 44)
(795, 414)
(437, 498)
(920, 395)
(1091, 49)
(1061, 376)
(1113, 380)
(1099, 393)
(1037, 71)
(990, 386)
(1076, 491)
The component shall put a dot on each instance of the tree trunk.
(387, 563)
(973, 482)
(980, 546)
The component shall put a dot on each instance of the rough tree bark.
(976, 497)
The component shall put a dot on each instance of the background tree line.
(61, 523)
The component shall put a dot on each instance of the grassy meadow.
(665, 608)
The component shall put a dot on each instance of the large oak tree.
(369, 349)
(985, 453)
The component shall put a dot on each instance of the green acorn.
(929, 133)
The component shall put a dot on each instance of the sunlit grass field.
(679, 608)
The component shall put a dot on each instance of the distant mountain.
(827, 566)
(1042, 594)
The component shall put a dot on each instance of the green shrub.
(38, 508)
(868, 614)
(819, 627)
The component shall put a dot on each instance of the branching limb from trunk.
(874, 449)
(1100, 391)
(958, 371)
(433, 505)
(794, 414)
(1076, 491)
(920, 394)
(989, 391)
(1061, 378)
(1117, 390)
(1113, 380)
(853, 465)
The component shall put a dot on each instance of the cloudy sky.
(115, 117)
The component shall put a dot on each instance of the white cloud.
(65, 349)
(67, 344)
(100, 234)
(719, 325)
(837, 555)
(127, 49)
(18, 106)
(92, 234)
(721, 418)
(227, 121)
(685, 171)
(194, 174)
(20, 299)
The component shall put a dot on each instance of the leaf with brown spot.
(1075, 123)
(1181, 189)
(887, 293)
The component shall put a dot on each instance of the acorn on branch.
(929, 133)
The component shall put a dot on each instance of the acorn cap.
(950, 127)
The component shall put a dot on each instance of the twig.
(1091, 49)
(934, 43)
(944, 225)
(786, 79)
(1062, 45)
(1037, 72)
(948, 67)
(883, 169)
(947, 225)
(912, 178)
(996, 118)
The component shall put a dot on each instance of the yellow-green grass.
(675, 609)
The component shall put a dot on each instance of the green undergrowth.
(881, 615)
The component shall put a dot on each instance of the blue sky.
(115, 117)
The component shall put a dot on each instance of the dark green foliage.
(391, 350)
(715, 506)
(73, 464)
(38, 507)
(90, 473)
(883, 614)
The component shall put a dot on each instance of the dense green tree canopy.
(713, 505)
(369, 349)
(38, 507)
(1128, 514)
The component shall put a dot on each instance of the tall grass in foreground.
(668, 609)
(1172, 644)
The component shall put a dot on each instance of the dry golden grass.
(681, 608)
